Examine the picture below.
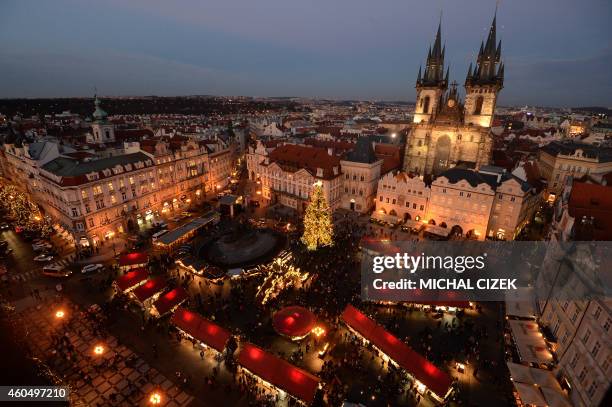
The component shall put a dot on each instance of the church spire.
(433, 75)
(487, 71)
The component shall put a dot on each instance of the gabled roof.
(602, 154)
(292, 157)
(200, 328)
(423, 370)
(170, 300)
(454, 175)
(295, 381)
(150, 288)
(591, 201)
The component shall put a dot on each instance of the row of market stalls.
(536, 387)
(429, 379)
(534, 382)
(269, 370)
(152, 294)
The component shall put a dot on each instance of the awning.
(297, 382)
(132, 259)
(530, 394)
(437, 230)
(132, 279)
(170, 300)
(531, 375)
(530, 342)
(423, 370)
(200, 328)
(150, 288)
(385, 217)
(555, 398)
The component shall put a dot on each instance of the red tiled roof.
(310, 158)
(131, 279)
(282, 374)
(592, 200)
(133, 134)
(423, 370)
(200, 328)
(131, 259)
(150, 288)
(169, 300)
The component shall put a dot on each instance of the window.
(597, 312)
(381, 198)
(121, 183)
(469, 194)
(592, 389)
(512, 199)
(606, 326)
(443, 190)
(425, 104)
(422, 207)
(131, 179)
(574, 360)
(586, 336)
(478, 105)
(393, 201)
(111, 188)
(87, 208)
(387, 200)
(83, 194)
(362, 178)
(97, 190)
(461, 193)
(582, 374)
(75, 213)
(414, 206)
(575, 316)
(79, 226)
(123, 196)
(407, 204)
(113, 199)
(596, 349)
(91, 222)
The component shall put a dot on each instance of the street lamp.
(98, 350)
(155, 398)
(59, 314)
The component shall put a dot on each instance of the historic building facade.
(445, 131)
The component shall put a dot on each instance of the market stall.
(294, 322)
(133, 260)
(536, 379)
(131, 280)
(428, 377)
(169, 301)
(197, 327)
(148, 293)
(276, 373)
(529, 342)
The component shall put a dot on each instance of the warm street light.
(98, 350)
(318, 331)
(59, 314)
(155, 398)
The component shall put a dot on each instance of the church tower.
(432, 84)
(103, 131)
(483, 83)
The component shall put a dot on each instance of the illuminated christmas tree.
(318, 227)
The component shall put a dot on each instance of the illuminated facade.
(445, 131)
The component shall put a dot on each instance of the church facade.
(447, 131)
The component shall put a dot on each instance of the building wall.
(359, 185)
(557, 168)
(425, 141)
(462, 205)
(402, 196)
(512, 209)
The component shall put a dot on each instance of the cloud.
(559, 82)
(53, 74)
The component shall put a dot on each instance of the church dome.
(99, 114)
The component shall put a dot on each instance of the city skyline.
(152, 49)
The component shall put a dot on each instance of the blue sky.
(557, 52)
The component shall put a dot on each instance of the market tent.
(532, 375)
(437, 230)
(385, 217)
(150, 288)
(530, 342)
(170, 300)
(200, 328)
(423, 370)
(132, 279)
(294, 321)
(133, 259)
(530, 394)
(283, 375)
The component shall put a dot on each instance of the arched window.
(425, 104)
(478, 105)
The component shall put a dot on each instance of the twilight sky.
(557, 52)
